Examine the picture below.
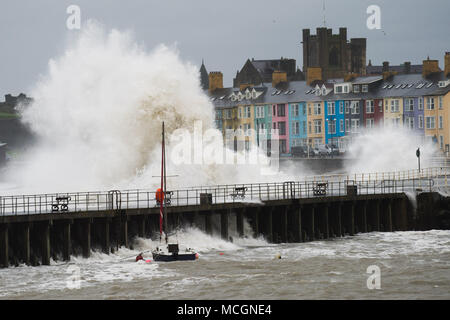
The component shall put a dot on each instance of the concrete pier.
(35, 239)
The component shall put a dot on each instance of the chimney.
(429, 67)
(407, 67)
(350, 76)
(447, 64)
(386, 66)
(277, 77)
(313, 74)
(215, 80)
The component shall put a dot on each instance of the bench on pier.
(320, 189)
(239, 192)
(167, 198)
(61, 203)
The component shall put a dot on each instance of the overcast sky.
(223, 33)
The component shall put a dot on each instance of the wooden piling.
(4, 245)
(240, 222)
(326, 227)
(45, 245)
(297, 225)
(224, 225)
(284, 224)
(67, 245)
(86, 237)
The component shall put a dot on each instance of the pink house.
(280, 121)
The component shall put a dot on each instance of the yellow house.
(393, 112)
(316, 126)
(436, 119)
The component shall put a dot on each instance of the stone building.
(332, 55)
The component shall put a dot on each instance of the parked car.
(323, 150)
(334, 151)
(299, 151)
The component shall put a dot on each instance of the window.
(247, 112)
(281, 110)
(259, 112)
(356, 88)
(355, 107)
(409, 123)
(304, 127)
(345, 89)
(430, 103)
(440, 122)
(380, 105)
(395, 105)
(364, 88)
(341, 107)
(370, 106)
(409, 105)
(420, 107)
(331, 108)
(228, 114)
(370, 123)
(347, 126)
(317, 126)
(355, 125)
(440, 103)
(282, 128)
(282, 146)
(295, 110)
(338, 89)
(420, 122)
(331, 126)
(441, 142)
(309, 127)
(317, 108)
(395, 122)
(347, 107)
(296, 127)
(429, 122)
(304, 109)
(274, 111)
(341, 125)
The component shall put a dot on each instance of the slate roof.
(402, 85)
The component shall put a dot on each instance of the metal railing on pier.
(66, 203)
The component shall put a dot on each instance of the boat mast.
(161, 204)
(164, 189)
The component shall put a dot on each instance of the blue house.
(334, 122)
(298, 124)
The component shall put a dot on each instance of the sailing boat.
(172, 253)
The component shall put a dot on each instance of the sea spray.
(97, 114)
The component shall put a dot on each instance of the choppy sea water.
(412, 265)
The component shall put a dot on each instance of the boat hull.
(174, 257)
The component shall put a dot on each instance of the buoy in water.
(221, 253)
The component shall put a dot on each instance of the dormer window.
(364, 88)
(356, 88)
(324, 91)
(233, 97)
(254, 94)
